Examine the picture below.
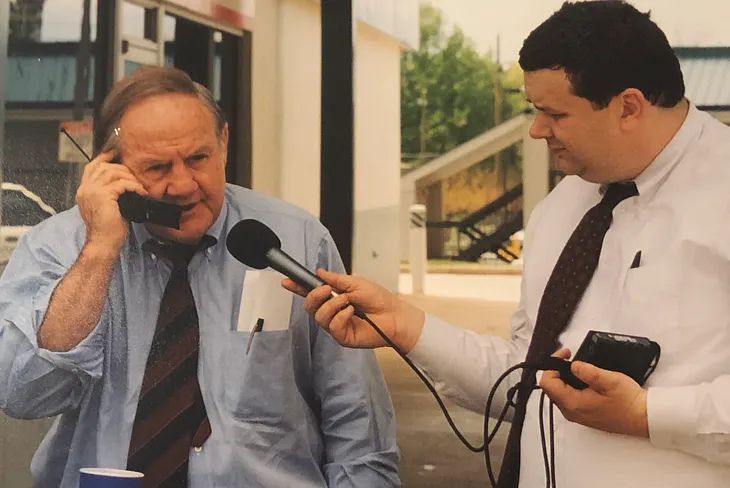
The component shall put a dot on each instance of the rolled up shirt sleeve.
(35, 382)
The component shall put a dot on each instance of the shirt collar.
(142, 234)
(649, 180)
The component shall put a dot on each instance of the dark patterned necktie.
(171, 417)
(565, 288)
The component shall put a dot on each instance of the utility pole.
(498, 110)
(422, 129)
(337, 162)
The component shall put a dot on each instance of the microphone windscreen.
(249, 241)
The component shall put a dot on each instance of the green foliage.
(448, 91)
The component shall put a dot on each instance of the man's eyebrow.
(201, 149)
(154, 161)
(543, 108)
(151, 161)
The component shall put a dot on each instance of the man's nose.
(540, 128)
(180, 181)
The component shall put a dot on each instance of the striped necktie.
(171, 416)
(565, 288)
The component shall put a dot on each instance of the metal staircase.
(489, 229)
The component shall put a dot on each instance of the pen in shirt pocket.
(637, 260)
(257, 328)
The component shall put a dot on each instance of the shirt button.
(208, 251)
(197, 449)
(154, 257)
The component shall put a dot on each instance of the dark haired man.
(161, 353)
(634, 240)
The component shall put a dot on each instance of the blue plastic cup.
(109, 478)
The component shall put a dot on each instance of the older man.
(141, 337)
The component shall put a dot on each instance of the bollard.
(417, 244)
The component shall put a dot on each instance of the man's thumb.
(597, 379)
(339, 281)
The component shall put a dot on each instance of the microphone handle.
(284, 264)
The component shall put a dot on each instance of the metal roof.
(706, 73)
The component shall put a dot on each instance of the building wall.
(286, 126)
(266, 100)
(377, 157)
(299, 75)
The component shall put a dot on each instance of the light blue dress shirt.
(297, 411)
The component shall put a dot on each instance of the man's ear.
(633, 106)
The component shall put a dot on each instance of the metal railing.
(481, 226)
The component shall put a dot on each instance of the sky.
(685, 22)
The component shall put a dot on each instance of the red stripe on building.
(217, 12)
(229, 16)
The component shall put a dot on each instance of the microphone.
(254, 244)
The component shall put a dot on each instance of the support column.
(106, 53)
(435, 212)
(535, 172)
(337, 133)
(407, 198)
(417, 246)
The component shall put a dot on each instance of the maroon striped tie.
(171, 416)
(563, 292)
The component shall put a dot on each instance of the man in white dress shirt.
(609, 100)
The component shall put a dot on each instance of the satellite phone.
(139, 208)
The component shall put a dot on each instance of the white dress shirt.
(679, 296)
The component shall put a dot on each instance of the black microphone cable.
(549, 463)
(551, 363)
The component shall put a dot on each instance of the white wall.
(377, 156)
(286, 126)
(266, 100)
(300, 72)
(286, 101)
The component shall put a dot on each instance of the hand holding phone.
(101, 186)
(141, 208)
(136, 207)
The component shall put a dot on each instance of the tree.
(447, 91)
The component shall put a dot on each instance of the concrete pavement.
(432, 455)
(476, 287)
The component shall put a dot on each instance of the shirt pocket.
(257, 384)
(650, 300)
(650, 307)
